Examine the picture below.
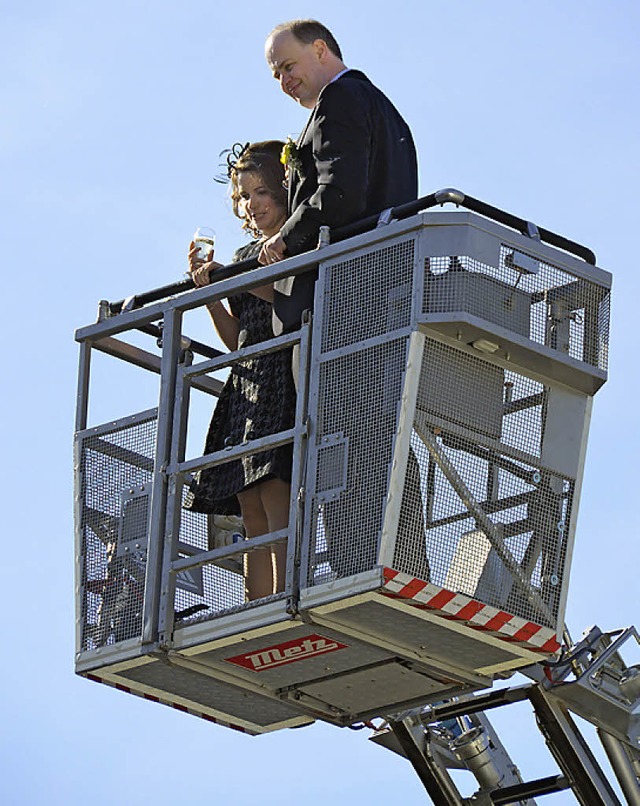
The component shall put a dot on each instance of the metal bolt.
(324, 238)
(536, 478)
(561, 526)
(554, 580)
(104, 311)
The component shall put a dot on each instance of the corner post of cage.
(314, 366)
(78, 472)
(298, 471)
(175, 483)
(82, 395)
(573, 514)
(81, 416)
(157, 517)
(402, 446)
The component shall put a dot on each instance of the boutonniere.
(290, 158)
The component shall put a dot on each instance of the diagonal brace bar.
(488, 527)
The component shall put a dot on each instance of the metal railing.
(178, 375)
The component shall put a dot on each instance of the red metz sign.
(288, 652)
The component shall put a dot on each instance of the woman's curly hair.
(262, 158)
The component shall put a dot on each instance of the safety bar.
(440, 197)
(186, 343)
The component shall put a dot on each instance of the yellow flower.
(287, 152)
(290, 158)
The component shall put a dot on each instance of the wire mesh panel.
(465, 284)
(114, 472)
(527, 296)
(495, 453)
(368, 294)
(364, 298)
(496, 515)
(358, 394)
(215, 588)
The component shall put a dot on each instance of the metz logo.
(288, 652)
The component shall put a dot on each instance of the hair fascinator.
(231, 157)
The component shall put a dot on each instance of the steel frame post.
(168, 372)
(174, 500)
(435, 779)
(402, 447)
(571, 752)
(82, 395)
(622, 766)
(298, 474)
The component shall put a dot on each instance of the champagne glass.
(204, 238)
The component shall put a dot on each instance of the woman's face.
(257, 204)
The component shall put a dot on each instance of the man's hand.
(272, 250)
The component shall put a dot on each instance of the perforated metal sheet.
(379, 690)
(114, 460)
(428, 639)
(204, 691)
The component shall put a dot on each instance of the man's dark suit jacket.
(357, 159)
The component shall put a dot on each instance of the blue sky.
(112, 118)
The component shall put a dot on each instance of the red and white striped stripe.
(170, 703)
(475, 614)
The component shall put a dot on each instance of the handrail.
(440, 197)
(186, 344)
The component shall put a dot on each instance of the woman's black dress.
(258, 399)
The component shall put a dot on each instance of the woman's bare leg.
(275, 495)
(258, 570)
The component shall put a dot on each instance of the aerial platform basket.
(439, 443)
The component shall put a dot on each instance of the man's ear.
(321, 50)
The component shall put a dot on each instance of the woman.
(259, 396)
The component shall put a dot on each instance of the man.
(355, 157)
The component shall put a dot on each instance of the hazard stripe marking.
(170, 703)
(477, 615)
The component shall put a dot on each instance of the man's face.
(298, 67)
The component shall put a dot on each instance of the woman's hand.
(199, 271)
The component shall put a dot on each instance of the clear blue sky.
(111, 119)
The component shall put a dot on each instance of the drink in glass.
(204, 238)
